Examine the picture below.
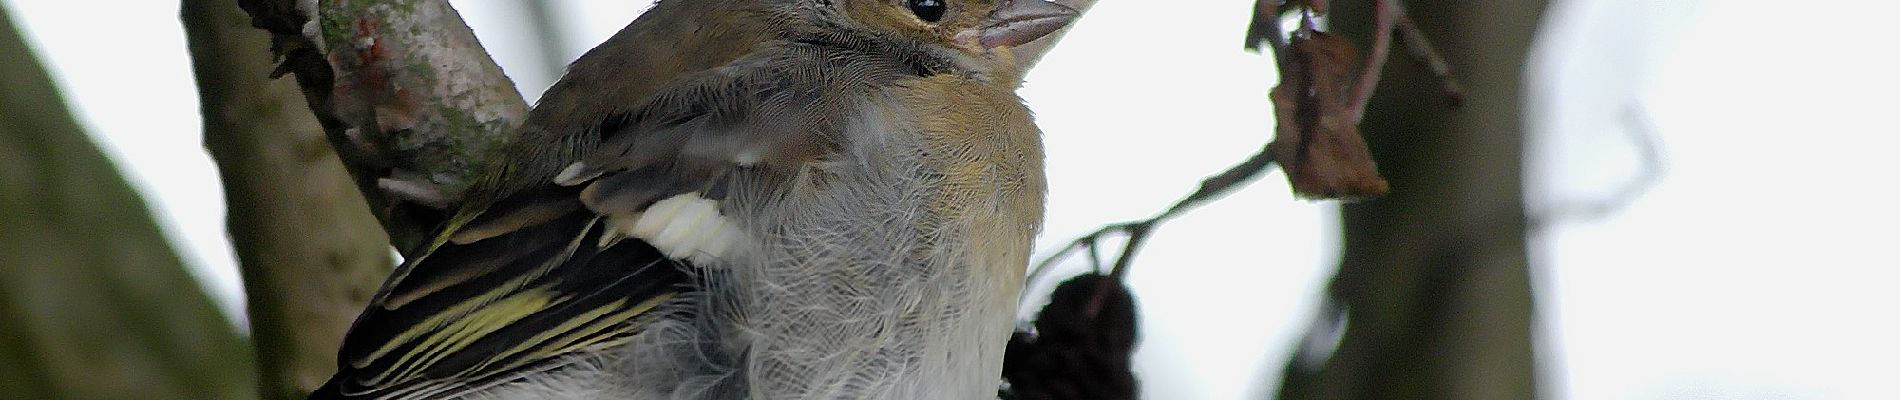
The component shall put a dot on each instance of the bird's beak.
(1020, 21)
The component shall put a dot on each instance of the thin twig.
(1421, 49)
(1095, 256)
(1265, 28)
(1137, 235)
(1385, 15)
(1137, 231)
(1085, 242)
(1641, 132)
(1215, 185)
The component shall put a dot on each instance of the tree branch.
(413, 107)
(412, 103)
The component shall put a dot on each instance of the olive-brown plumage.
(765, 199)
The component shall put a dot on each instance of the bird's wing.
(542, 274)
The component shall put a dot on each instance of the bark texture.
(411, 102)
(93, 302)
(310, 250)
(1433, 292)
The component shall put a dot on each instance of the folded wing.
(525, 283)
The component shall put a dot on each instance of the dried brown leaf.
(1317, 141)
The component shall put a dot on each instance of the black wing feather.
(555, 268)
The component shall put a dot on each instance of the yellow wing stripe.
(590, 336)
(460, 313)
(566, 327)
(429, 326)
(466, 331)
(578, 328)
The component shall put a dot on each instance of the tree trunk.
(94, 303)
(310, 250)
(1434, 287)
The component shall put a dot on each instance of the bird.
(738, 199)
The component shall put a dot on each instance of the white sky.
(1756, 268)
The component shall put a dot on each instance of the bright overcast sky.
(1757, 267)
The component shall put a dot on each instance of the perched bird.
(738, 199)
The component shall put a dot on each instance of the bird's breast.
(892, 269)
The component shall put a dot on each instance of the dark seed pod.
(1080, 347)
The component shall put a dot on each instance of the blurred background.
(1703, 210)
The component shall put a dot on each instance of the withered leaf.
(1317, 142)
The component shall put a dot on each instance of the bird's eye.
(927, 10)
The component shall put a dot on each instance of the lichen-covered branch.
(310, 251)
(411, 102)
